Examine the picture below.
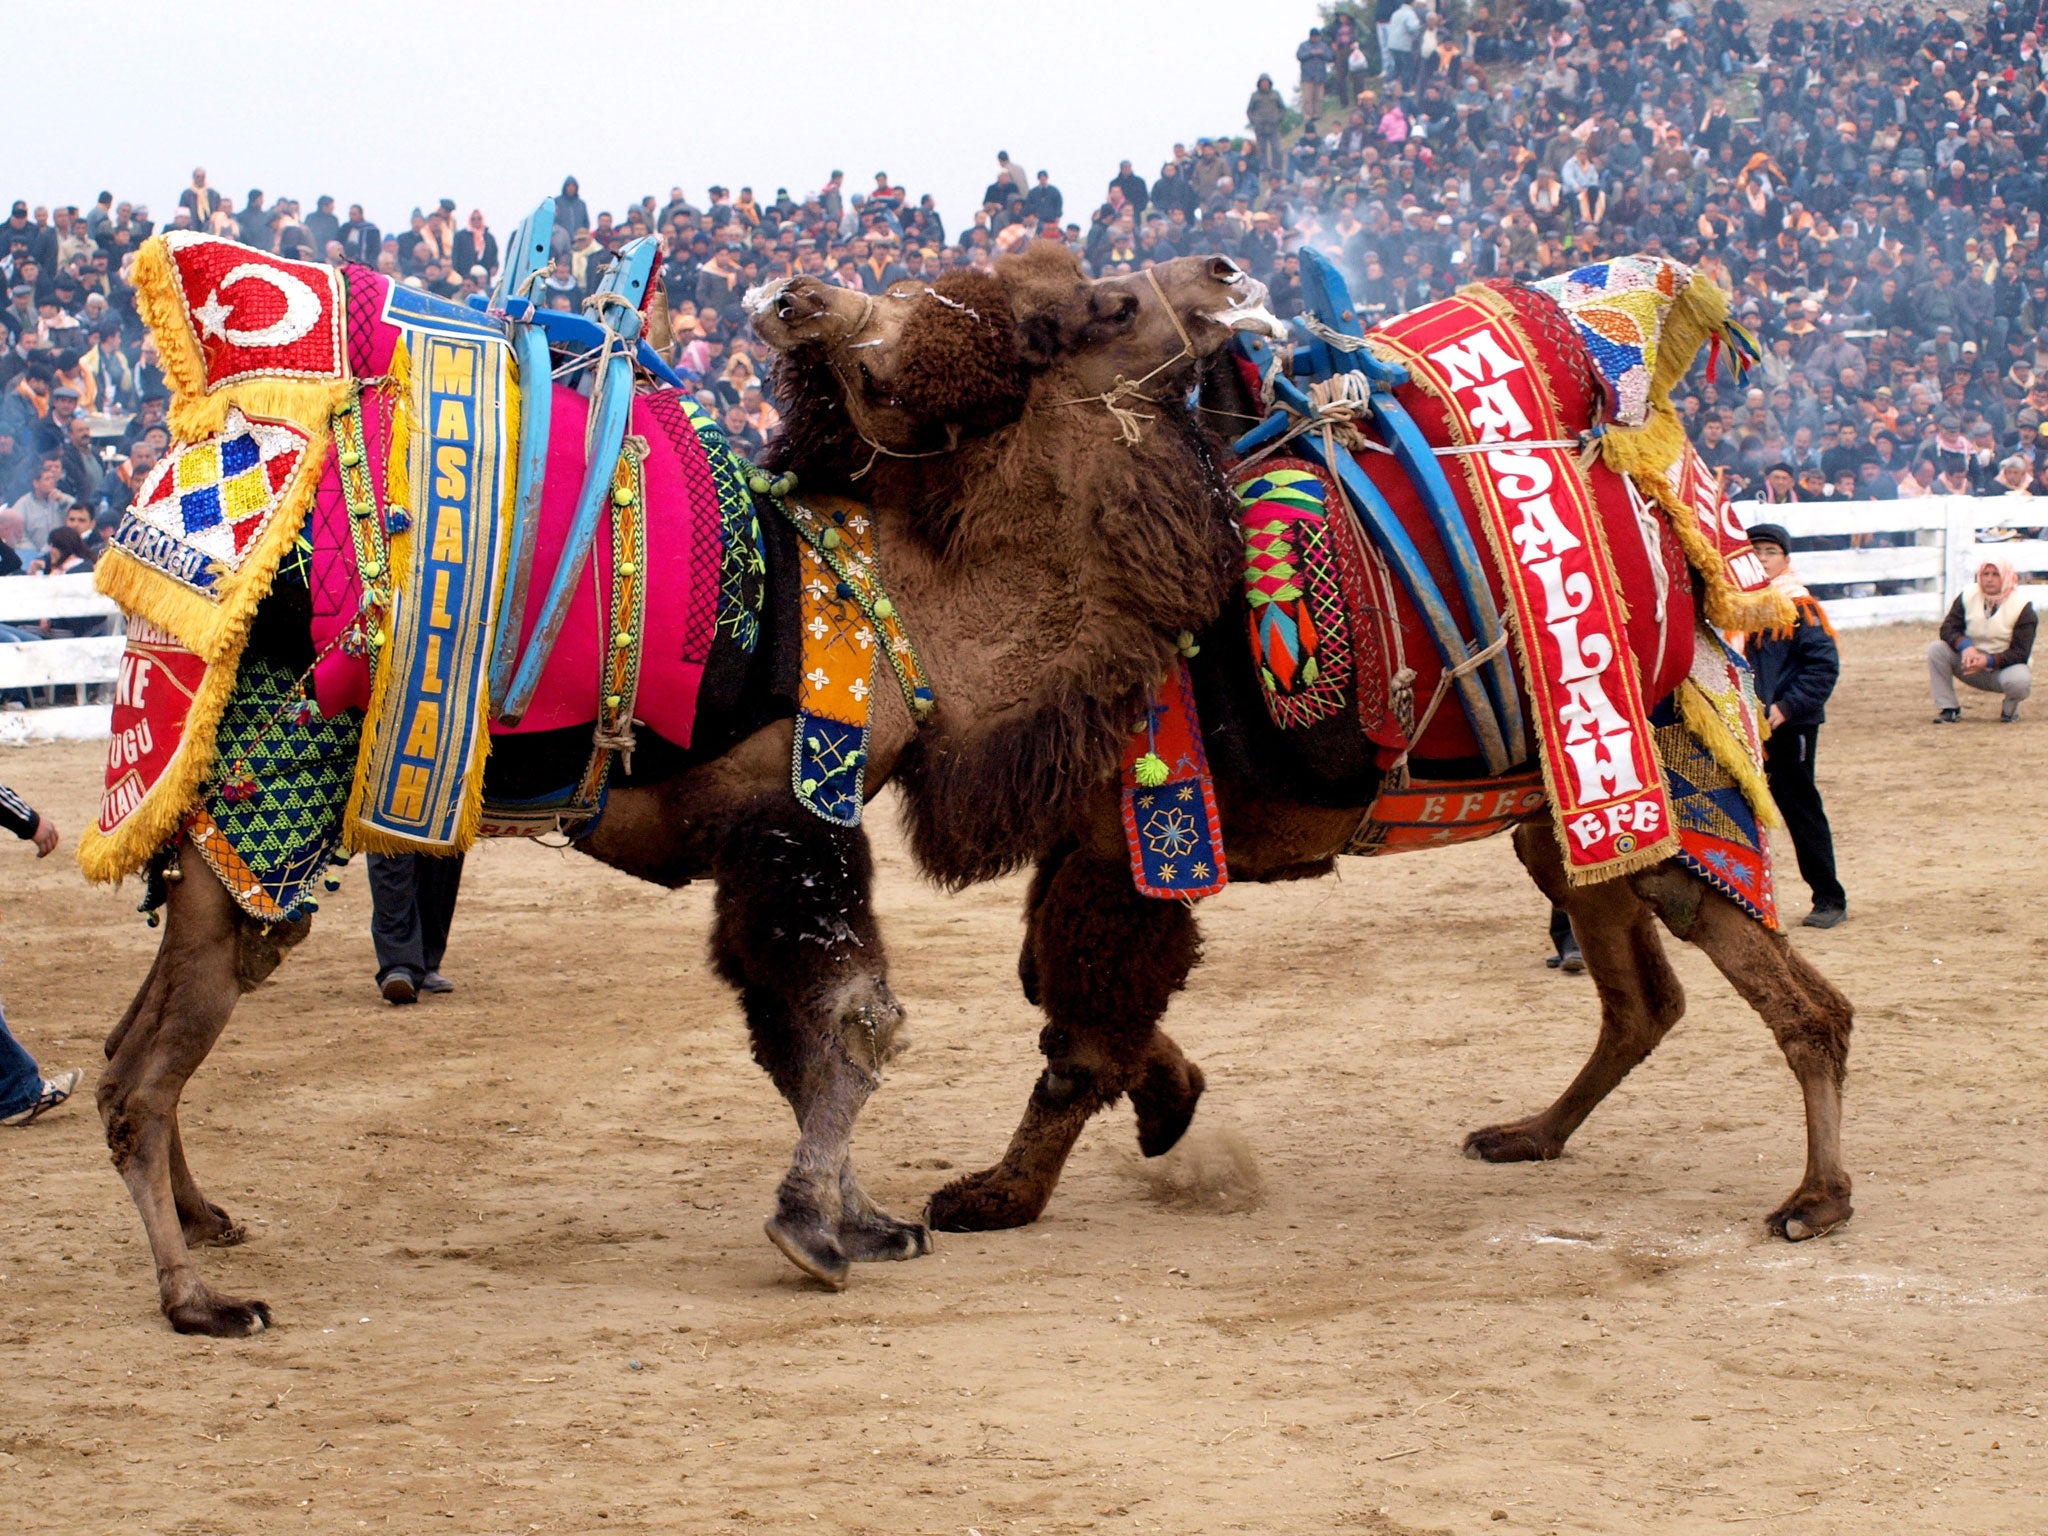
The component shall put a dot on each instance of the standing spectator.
(1315, 57)
(1265, 112)
(201, 201)
(412, 902)
(25, 1094)
(1796, 670)
(571, 213)
(1043, 202)
(1132, 185)
(322, 226)
(1403, 41)
(476, 246)
(359, 239)
(1987, 640)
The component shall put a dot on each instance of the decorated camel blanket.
(345, 446)
(1648, 741)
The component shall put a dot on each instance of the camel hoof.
(1162, 1124)
(1803, 1218)
(886, 1240)
(219, 1230)
(1511, 1144)
(217, 1317)
(981, 1202)
(816, 1253)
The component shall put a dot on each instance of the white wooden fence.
(56, 664)
(1938, 562)
(1941, 559)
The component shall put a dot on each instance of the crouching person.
(1986, 640)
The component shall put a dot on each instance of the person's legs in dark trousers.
(412, 898)
(1565, 942)
(1788, 766)
(395, 925)
(437, 882)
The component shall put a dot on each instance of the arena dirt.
(513, 1241)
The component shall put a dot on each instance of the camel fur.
(997, 787)
(1017, 600)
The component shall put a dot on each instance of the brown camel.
(1064, 577)
(988, 792)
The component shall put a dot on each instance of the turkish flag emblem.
(258, 316)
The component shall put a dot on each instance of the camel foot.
(1165, 1103)
(811, 1249)
(217, 1316)
(1519, 1141)
(216, 1229)
(1808, 1214)
(988, 1201)
(880, 1237)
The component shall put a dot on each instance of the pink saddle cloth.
(683, 546)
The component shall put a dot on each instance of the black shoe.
(1554, 961)
(1948, 717)
(1570, 961)
(400, 988)
(1824, 917)
(434, 981)
(2009, 713)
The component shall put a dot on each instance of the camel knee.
(260, 948)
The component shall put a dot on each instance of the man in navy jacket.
(1796, 670)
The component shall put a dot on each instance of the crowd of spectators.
(1868, 184)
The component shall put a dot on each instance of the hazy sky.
(396, 105)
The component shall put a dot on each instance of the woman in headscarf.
(1986, 640)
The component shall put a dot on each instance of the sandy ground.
(513, 1235)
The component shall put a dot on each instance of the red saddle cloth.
(1648, 562)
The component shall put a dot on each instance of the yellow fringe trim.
(1647, 454)
(194, 413)
(355, 837)
(107, 858)
(1713, 731)
(1728, 607)
(215, 629)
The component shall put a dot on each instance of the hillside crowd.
(1869, 184)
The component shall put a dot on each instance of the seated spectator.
(1986, 640)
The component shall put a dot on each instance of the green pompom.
(1149, 770)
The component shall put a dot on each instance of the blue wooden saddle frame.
(1488, 694)
(611, 332)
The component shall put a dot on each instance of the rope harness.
(1115, 398)
(849, 393)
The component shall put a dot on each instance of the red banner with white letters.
(1599, 757)
(158, 682)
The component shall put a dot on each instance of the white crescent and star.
(302, 309)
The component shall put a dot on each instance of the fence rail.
(66, 663)
(1926, 573)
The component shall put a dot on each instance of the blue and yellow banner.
(419, 782)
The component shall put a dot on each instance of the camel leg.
(210, 955)
(1809, 1017)
(796, 935)
(1103, 961)
(1640, 999)
(204, 1223)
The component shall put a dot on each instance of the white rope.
(1123, 389)
(1464, 668)
(1329, 337)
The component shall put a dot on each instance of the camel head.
(1153, 329)
(919, 365)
